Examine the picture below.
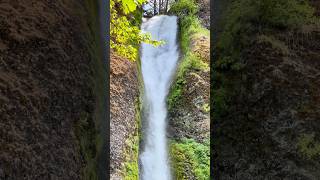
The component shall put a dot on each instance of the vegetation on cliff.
(125, 39)
(263, 74)
(190, 159)
(248, 21)
(130, 169)
(189, 146)
(190, 28)
(125, 34)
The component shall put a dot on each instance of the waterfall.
(158, 65)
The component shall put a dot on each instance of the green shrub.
(190, 159)
(125, 34)
(131, 167)
(190, 28)
(184, 8)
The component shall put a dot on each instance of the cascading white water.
(158, 65)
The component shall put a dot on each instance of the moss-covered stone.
(188, 99)
(190, 160)
(308, 146)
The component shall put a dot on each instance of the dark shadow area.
(264, 90)
(53, 91)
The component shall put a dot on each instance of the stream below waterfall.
(158, 65)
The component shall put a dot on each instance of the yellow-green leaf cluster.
(125, 36)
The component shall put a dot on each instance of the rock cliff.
(50, 101)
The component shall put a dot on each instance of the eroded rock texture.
(124, 91)
(45, 88)
(190, 116)
(271, 128)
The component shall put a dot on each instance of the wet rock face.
(272, 131)
(190, 117)
(124, 91)
(45, 84)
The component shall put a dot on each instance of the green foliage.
(184, 8)
(190, 28)
(308, 146)
(129, 6)
(125, 35)
(131, 167)
(189, 62)
(175, 94)
(190, 155)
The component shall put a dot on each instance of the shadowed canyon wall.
(52, 93)
(265, 91)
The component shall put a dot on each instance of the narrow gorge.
(166, 121)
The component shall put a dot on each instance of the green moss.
(190, 160)
(131, 167)
(189, 62)
(174, 95)
(130, 170)
(184, 8)
(308, 146)
(190, 28)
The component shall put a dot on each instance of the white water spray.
(158, 65)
